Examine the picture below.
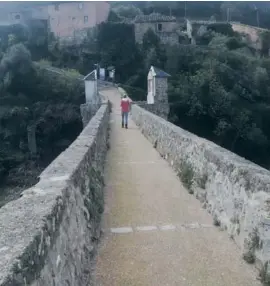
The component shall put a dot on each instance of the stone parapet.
(160, 109)
(49, 235)
(88, 110)
(235, 191)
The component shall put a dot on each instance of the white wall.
(189, 29)
(150, 88)
(90, 91)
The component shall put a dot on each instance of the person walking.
(125, 107)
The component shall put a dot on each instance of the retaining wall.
(49, 235)
(235, 191)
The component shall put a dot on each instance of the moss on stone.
(234, 219)
(95, 200)
(251, 243)
(186, 175)
(201, 181)
(264, 274)
(216, 220)
(31, 263)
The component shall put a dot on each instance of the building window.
(56, 7)
(85, 19)
(159, 27)
(17, 17)
(80, 5)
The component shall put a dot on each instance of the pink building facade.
(67, 18)
(64, 18)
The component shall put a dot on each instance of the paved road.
(156, 234)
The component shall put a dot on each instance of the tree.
(150, 40)
(265, 43)
(221, 93)
(128, 11)
(153, 50)
(37, 108)
(113, 17)
(117, 47)
(16, 60)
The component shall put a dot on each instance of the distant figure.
(125, 106)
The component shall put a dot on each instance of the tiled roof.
(154, 17)
(160, 73)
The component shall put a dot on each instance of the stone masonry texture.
(233, 190)
(49, 235)
(154, 232)
(161, 90)
(158, 108)
(167, 36)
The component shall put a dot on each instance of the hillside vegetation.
(39, 110)
(219, 89)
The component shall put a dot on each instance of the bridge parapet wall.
(48, 236)
(235, 191)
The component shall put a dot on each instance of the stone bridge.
(168, 208)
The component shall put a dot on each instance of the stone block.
(49, 235)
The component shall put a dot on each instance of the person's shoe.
(122, 125)
(126, 126)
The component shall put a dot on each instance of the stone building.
(194, 26)
(19, 13)
(165, 27)
(68, 18)
(157, 93)
(65, 19)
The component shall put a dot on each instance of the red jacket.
(125, 105)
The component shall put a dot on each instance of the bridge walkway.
(155, 233)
